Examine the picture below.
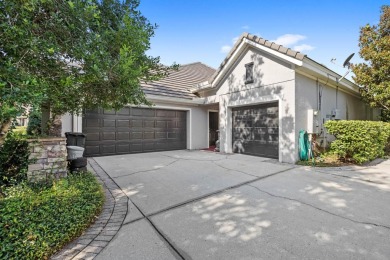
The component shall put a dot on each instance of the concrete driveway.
(203, 205)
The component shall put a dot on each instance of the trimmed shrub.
(38, 220)
(34, 124)
(359, 141)
(14, 160)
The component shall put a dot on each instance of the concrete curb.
(100, 233)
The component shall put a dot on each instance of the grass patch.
(36, 221)
(22, 130)
(326, 160)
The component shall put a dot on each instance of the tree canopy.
(374, 74)
(74, 54)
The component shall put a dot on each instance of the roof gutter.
(173, 100)
(310, 66)
(201, 87)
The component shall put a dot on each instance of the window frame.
(249, 73)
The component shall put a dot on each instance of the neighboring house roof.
(178, 83)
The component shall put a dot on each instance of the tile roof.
(264, 42)
(179, 82)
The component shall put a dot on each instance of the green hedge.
(36, 221)
(14, 153)
(359, 141)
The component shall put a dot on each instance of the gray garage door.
(256, 130)
(133, 130)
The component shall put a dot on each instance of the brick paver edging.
(100, 233)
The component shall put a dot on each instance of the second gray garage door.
(133, 130)
(256, 130)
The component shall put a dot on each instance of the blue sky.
(201, 30)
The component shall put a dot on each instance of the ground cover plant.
(36, 220)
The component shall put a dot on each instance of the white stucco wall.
(307, 95)
(274, 80)
(197, 123)
(71, 123)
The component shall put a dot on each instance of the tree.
(374, 74)
(72, 55)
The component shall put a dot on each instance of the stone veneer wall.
(48, 159)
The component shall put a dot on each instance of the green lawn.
(36, 221)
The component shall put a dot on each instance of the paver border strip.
(106, 226)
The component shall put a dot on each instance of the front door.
(213, 128)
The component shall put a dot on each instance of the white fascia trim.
(173, 100)
(229, 62)
(317, 68)
(274, 52)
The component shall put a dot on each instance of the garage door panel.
(148, 135)
(161, 124)
(161, 135)
(136, 135)
(136, 123)
(181, 124)
(148, 147)
(108, 136)
(108, 122)
(256, 130)
(165, 113)
(124, 111)
(148, 124)
(123, 135)
(107, 149)
(148, 113)
(93, 149)
(134, 130)
(94, 136)
(92, 122)
(123, 123)
(136, 147)
(123, 148)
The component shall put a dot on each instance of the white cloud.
(225, 48)
(289, 39)
(303, 47)
(235, 39)
(245, 27)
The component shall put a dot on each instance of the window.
(249, 73)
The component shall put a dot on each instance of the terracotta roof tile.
(178, 83)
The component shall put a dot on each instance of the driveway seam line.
(223, 167)
(320, 209)
(145, 170)
(144, 217)
(189, 159)
(211, 194)
(351, 178)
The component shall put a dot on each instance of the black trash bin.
(75, 139)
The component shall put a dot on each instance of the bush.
(359, 141)
(37, 221)
(34, 123)
(14, 161)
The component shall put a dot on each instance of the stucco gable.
(268, 71)
(245, 40)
